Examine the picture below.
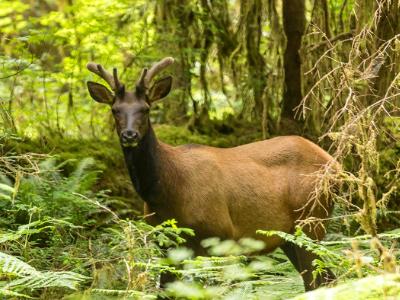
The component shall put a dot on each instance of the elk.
(219, 192)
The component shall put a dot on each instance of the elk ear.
(160, 89)
(100, 93)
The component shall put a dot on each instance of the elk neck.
(148, 165)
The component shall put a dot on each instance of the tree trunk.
(386, 29)
(173, 19)
(294, 25)
(256, 63)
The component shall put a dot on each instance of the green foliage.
(233, 276)
(13, 266)
(175, 135)
(71, 221)
(60, 218)
(53, 48)
(6, 191)
(331, 259)
(88, 246)
(55, 195)
(28, 278)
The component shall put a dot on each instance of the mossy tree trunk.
(386, 29)
(173, 19)
(255, 60)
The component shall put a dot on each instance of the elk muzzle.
(129, 138)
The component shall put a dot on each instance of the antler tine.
(99, 70)
(157, 68)
(142, 77)
(140, 85)
(116, 80)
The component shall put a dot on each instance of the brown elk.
(224, 192)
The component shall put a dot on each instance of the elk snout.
(129, 137)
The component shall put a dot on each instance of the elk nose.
(129, 136)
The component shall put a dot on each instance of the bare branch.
(340, 37)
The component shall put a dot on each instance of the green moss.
(373, 287)
(179, 135)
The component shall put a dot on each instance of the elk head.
(131, 108)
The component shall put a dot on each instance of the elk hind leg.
(302, 261)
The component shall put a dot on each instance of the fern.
(83, 167)
(48, 279)
(30, 278)
(34, 227)
(13, 266)
(302, 240)
(8, 293)
(82, 178)
(6, 191)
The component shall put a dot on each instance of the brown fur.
(233, 192)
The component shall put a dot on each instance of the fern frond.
(8, 293)
(38, 280)
(6, 191)
(82, 167)
(82, 178)
(11, 265)
(30, 278)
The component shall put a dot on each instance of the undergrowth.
(63, 238)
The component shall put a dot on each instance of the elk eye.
(115, 111)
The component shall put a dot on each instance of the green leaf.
(11, 265)
(6, 188)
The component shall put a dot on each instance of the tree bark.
(256, 63)
(173, 19)
(294, 26)
(386, 29)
